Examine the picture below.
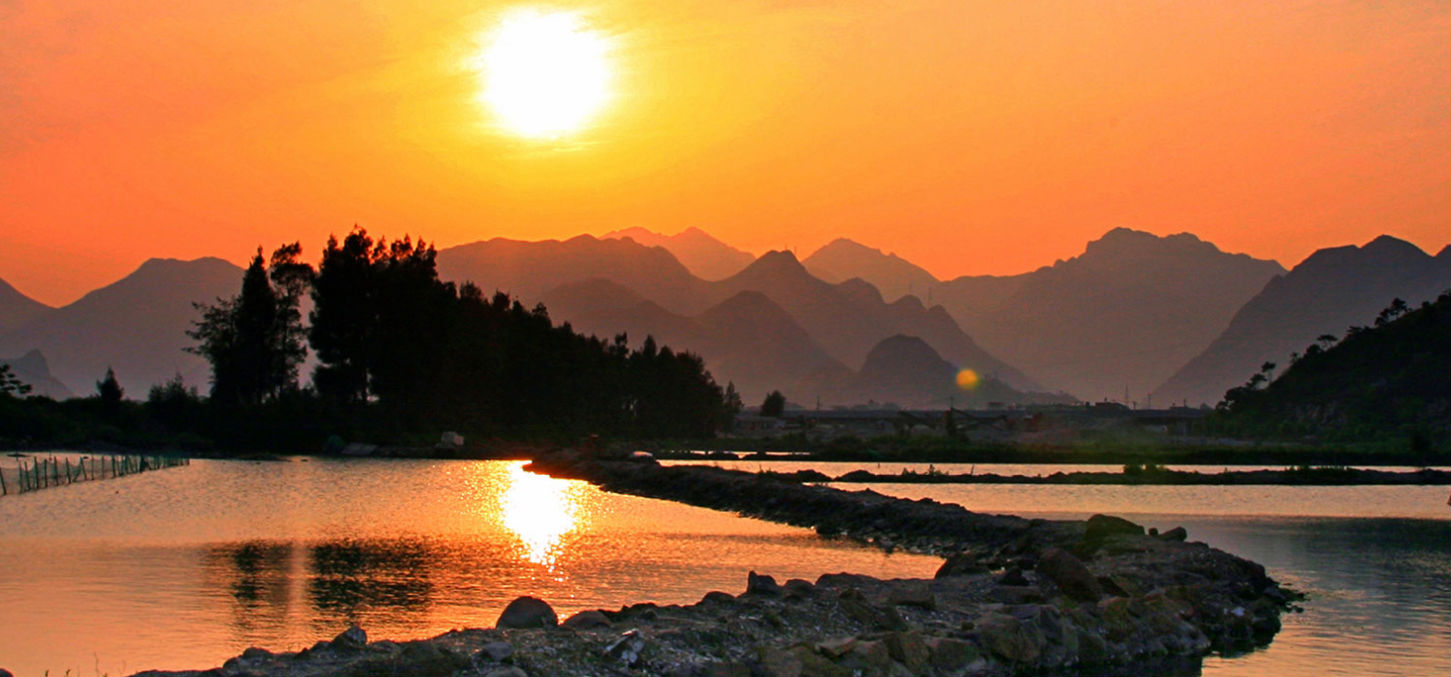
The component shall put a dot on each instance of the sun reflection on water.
(540, 511)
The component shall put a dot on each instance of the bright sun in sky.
(545, 74)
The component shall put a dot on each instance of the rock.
(908, 649)
(496, 652)
(425, 659)
(1175, 534)
(912, 593)
(1013, 576)
(870, 657)
(1017, 594)
(961, 564)
(1100, 527)
(877, 618)
(627, 648)
(586, 620)
(1009, 637)
(759, 584)
(5, 673)
(731, 669)
(352, 639)
(527, 612)
(507, 671)
(836, 648)
(718, 597)
(779, 662)
(948, 654)
(253, 653)
(1070, 575)
(798, 589)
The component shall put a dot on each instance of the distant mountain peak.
(777, 261)
(700, 252)
(1393, 246)
(843, 259)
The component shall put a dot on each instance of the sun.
(544, 74)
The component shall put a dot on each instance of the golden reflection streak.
(540, 510)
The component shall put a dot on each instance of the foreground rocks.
(1013, 596)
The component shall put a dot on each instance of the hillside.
(907, 372)
(136, 325)
(17, 309)
(1125, 314)
(845, 320)
(529, 269)
(842, 259)
(1329, 291)
(706, 257)
(746, 339)
(1377, 382)
(33, 370)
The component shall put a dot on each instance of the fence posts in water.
(42, 473)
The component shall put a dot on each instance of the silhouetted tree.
(109, 390)
(10, 384)
(254, 340)
(774, 405)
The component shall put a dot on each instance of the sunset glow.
(544, 74)
(540, 510)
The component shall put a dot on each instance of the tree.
(109, 389)
(774, 405)
(254, 340)
(11, 385)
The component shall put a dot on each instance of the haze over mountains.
(136, 325)
(705, 256)
(1331, 290)
(1172, 314)
(819, 332)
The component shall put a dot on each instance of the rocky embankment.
(1013, 596)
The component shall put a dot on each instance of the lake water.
(185, 567)
(1374, 560)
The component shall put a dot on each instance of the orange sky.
(969, 137)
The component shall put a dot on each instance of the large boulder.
(1070, 575)
(527, 612)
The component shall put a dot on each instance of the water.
(1375, 561)
(183, 568)
(186, 567)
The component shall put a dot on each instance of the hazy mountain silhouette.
(895, 277)
(1329, 291)
(529, 269)
(136, 325)
(1126, 313)
(1385, 381)
(746, 339)
(702, 254)
(847, 319)
(32, 369)
(17, 309)
(906, 371)
(850, 318)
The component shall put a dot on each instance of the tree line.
(395, 355)
(395, 343)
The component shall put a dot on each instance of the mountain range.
(1172, 315)
(1325, 294)
(703, 255)
(136, 325)
(842, 259)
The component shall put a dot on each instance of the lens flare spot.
(968, 379)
